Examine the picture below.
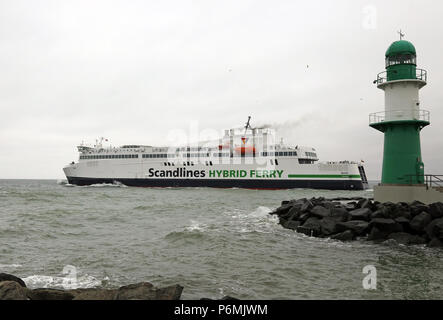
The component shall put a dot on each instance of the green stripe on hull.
(324, 176)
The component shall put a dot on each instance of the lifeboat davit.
(245, 150)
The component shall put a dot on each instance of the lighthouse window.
(401, 59)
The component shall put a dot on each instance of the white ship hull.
(286, 175)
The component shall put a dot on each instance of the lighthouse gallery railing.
(420, 74)
(398, 115)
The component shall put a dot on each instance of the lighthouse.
(401, 122)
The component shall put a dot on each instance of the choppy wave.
(186, 237)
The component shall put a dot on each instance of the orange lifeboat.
(223, 146)
(245, 150)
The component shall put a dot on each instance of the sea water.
(213, 242)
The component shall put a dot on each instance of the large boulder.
(50, 294)
(417, 207)
(404, 222)
(435, 229)
(358, 227)
(377, 234)
(436, 210)
(380, 213)
(12, 290)
(146, 291)
(406, 238)
(420, 221)
(386, 225)
(360, 214)
(172, 293)
(304, 217)
(402, 213)
(137, 291)
(320, 212)
(94, 294)
(328, 226)
(293, 225)
(311, 227)
(339, 214)
(344, 236)
(435, 243)
(10, 277)
(293, 214)
(365, 204)
(308, 205)
(282, 209)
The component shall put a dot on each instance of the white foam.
(258, 220)
(13, 265)
(260, 212)
(43, 281)
(101, 185)
(196, 226)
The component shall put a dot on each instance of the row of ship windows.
(311, 154)
(209, 163)
(110, 156)
(188, 155)
(280, 154)
(160, 155)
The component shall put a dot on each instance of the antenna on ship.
(248, 125)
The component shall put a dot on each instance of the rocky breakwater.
(347, 219)
(14, 288)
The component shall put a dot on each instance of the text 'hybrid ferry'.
(246, 158)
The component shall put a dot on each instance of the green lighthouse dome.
(400, 47)
(401, 61)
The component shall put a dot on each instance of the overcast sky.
(134, 71)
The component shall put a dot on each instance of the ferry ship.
(242, 158)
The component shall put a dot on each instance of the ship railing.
(397, 115)
(430, 180)
(420, 74)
